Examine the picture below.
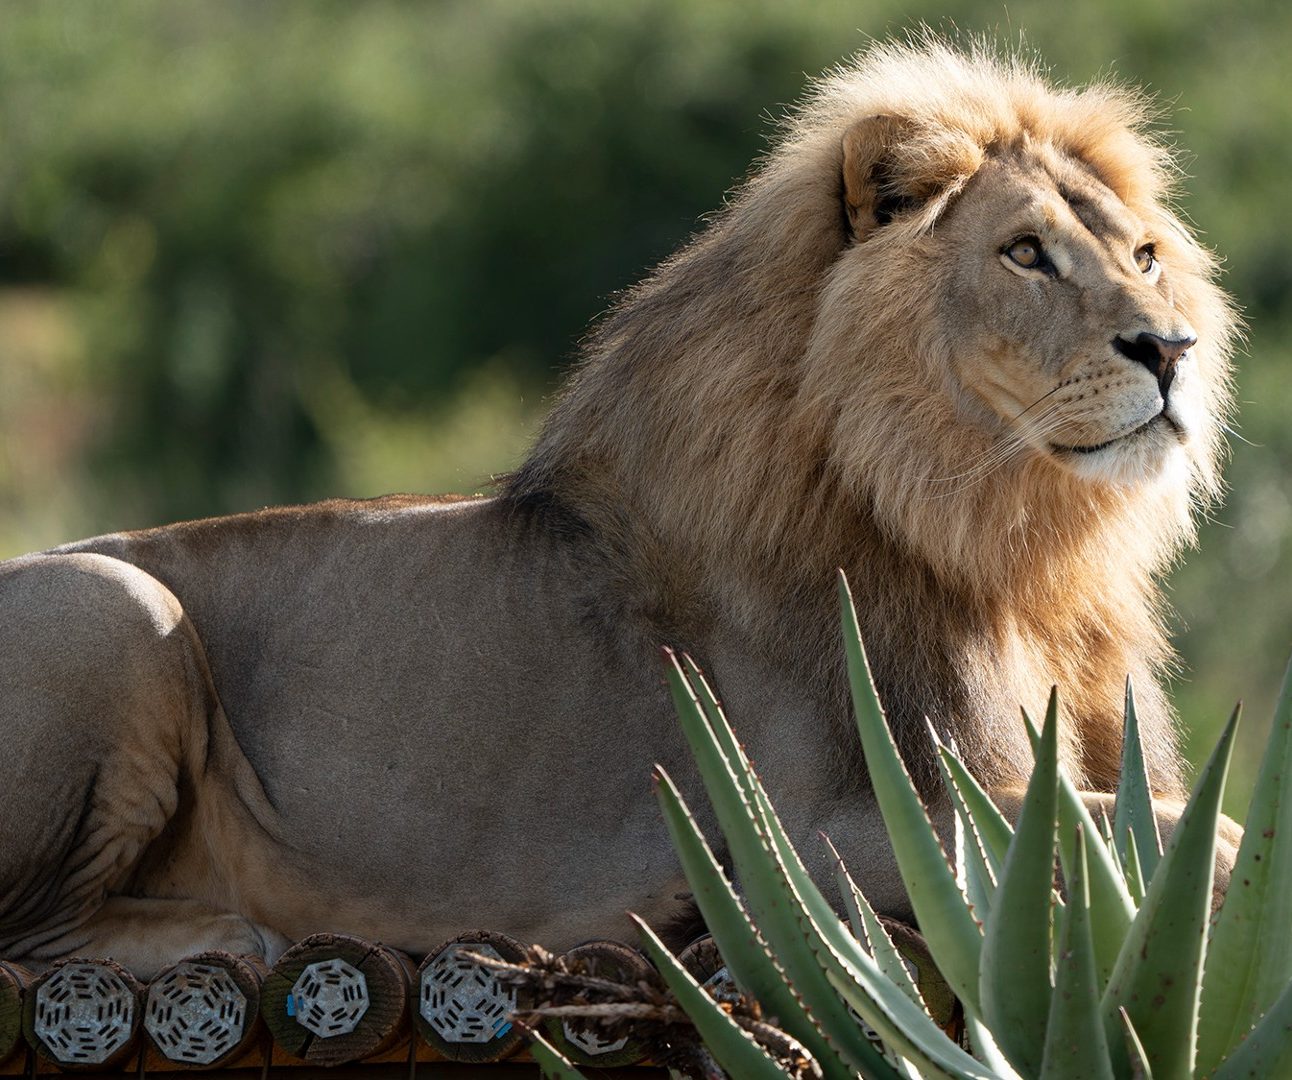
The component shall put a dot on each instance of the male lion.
(948, 337)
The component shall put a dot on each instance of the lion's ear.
(868, 192)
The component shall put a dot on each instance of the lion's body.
(408, 717)
(490, 766)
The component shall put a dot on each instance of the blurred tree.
(253, 253)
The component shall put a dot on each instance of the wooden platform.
(331, 1004)
(385, 1067)
(348, 1008)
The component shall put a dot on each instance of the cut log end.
(464, 1011)
(702, 959)
(586, 1042)
(205, 1010)
(83, 1014)
(334, 999)
(13, 984)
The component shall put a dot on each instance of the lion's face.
(1070, 336)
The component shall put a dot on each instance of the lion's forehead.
(1055, 194)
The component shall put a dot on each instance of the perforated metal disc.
(195, 1013)
(721, 986)
(329, 998)
(462, 1001)
(587, 1039)
(84, 1014)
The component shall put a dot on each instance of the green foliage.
(1039, 1000)
(1014, 976)
(253, 253)
(554, 1064)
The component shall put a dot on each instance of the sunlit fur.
(778, 399)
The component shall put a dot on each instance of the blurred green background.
(254, 253)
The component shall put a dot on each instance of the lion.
(949, 336)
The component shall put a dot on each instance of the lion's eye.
(1026, 253)
(1146, 258)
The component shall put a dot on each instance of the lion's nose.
(1160, 355)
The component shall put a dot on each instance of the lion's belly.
(446, 791)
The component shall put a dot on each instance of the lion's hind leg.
(102, 720)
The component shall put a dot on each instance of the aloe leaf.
(552, 1062)
(1267, 1049)
(902, 1021)
(768, 821)
(973, 874)
(904, 1025)
(870, 932)
(953, 936)
(732, 1046)
(742, 947)
(1106, 831)
(938, 1058)
(1139, 1066)
(1015, 984)
(1133, 811)
(772, 903)
(824, 914)
(837, 951)
(1251, 947)
(986, 1050)
(1136, 883)
(1158, 976)
(724, 735)
(1075, 1045)
(993, 828)
(853, 900)
(1111, 906)
(802, 933)
(977, 866)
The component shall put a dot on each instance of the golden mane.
(754, 414)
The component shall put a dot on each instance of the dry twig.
(645, 1009)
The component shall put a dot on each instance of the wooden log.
(463, 1011)
(586, 1042)
(333, 999)
(13, 984)
(205, 1011)
(83, 1014)
(702, 959)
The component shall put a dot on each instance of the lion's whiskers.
(1011, 444)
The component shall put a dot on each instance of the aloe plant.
(1123, 975)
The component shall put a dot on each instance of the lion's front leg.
(1229, 833)
(1101, 804)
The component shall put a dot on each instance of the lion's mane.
(754, 415)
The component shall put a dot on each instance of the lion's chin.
(1147, 453)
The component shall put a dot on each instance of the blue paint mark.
(291, 1005)
(506, 1027)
